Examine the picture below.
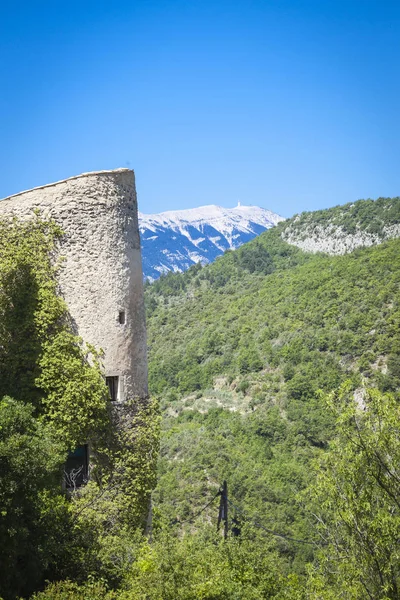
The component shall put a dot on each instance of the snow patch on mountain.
(177, 239)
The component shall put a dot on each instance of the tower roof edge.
(88, 174)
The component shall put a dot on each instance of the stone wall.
(101, 274)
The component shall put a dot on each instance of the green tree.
(60, 403)
(41, 361)
(357, 499)
(31, 504)
(203, 566)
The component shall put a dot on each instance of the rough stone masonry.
(101, 275)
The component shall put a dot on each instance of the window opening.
(121, 317)
(76, 470)
(112, 384)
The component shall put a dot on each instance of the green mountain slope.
(239, 352)
(370, 216)
(341, 229)
(334, 315)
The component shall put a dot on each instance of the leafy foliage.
(41, 361)
(356, 495)
(201, 566)
(311, 322)
(108, 512)
(371, 216)
(60, 402)
(30, 465)
(242, 355)
(205, 567)
(262, 456)
(74, 395)
(239, 355)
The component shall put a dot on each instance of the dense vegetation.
(302, 328)
(276, 370)
(53, 399)
(370, 216)
(243, 354)
(356, 497)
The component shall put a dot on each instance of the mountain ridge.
(175, 240)
(341, 229)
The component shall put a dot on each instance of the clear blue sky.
(292, 105)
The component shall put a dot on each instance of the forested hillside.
(273, 309)
(341, 229)
(277, 371)
(371, 216)
(244, 354)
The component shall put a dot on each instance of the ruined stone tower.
(101, 275)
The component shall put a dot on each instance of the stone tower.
(101, 274)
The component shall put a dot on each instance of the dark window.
(112, 384)
(121, 317)
(76, 470)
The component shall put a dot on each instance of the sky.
(291, 105)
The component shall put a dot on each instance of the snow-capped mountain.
(176, 239)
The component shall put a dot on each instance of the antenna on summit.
(238, 204)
